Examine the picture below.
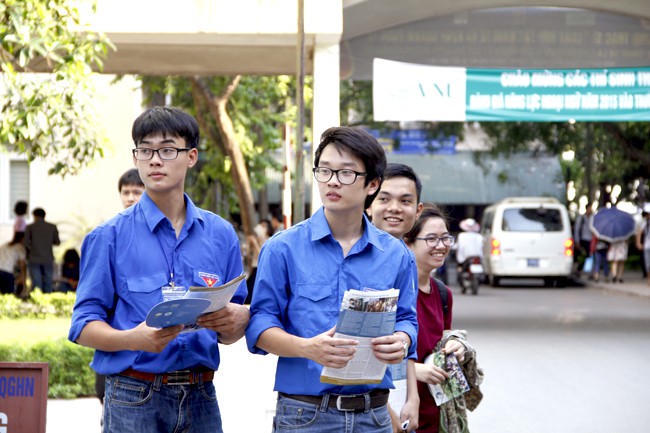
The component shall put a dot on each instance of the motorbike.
(470, 275)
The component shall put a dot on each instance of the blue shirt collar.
(153, 215)
(321, 229)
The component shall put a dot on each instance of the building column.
(325, 108)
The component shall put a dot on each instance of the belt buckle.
(179, 377)
(339, 401)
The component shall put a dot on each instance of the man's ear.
(193, 157)
(374, 185)
(419, 210)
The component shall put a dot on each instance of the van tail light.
(495, 247)
(568, 247)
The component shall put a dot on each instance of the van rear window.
(532, 220)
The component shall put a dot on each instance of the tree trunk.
(218, 109)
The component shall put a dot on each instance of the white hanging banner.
(410, 92)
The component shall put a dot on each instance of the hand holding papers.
(364, 315)
(197, 301)
(451, 388)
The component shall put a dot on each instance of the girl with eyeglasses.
(430, 241)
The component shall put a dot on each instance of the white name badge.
(172, 292)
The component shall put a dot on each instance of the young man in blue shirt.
(158, 379)
(302, 275)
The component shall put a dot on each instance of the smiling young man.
(395, 210)
(397, 204)
(158, 379)
(302, 275)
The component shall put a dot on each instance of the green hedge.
(38, 305)
(69, 374)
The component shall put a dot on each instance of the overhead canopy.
(483, 34)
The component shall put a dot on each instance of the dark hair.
(644, 213)
(269, 228)
(396, 169)
(276, 213)
(18, 238)
(360, 144)
(130, 177)
(71, 256)
(20, 208)
(167, 121)
(39, 212)
(429, 211)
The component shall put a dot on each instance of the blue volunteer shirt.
(301, 278)
(126, 261)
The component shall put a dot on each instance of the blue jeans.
(139, 406)
(293, 416)
(600, 261)
(41, 276)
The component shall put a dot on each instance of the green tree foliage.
(51, 114)
(259, 107)
(606, 153)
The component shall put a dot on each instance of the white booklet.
(364, 315)
(196, 302)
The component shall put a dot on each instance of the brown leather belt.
(178, 377)
(354, 402)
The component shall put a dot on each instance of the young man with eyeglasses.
(302, 275)
(158, 379)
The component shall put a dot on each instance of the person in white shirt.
(469, 242)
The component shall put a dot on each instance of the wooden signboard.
(23, 397)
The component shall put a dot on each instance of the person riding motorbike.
(469, 245)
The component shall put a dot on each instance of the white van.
(527, 237)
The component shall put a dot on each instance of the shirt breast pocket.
(142, 286)
(319, 302)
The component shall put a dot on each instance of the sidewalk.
(634, 284)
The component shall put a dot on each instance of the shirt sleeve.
(96, 289)
(406, 320)
(270, 297)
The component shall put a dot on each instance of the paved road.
(557, 360)
(560, 360)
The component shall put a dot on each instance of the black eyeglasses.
(434, 241)
(165, 153)
(344, 175)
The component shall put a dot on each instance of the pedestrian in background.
(643, 242)
(20, 210)
(582, 237)
(598, 249)
(130, 187)
(158, 380)
(617, 256)
(40, 237)
(261, 233)
(12, 256)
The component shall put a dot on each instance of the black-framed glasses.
(344, 175)
(165, 153)
(434, 241)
